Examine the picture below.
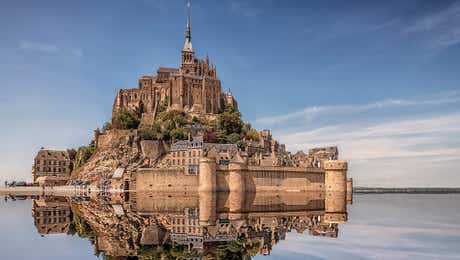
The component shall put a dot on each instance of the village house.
(51, 167)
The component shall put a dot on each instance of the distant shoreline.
(366, 190)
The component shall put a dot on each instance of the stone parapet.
(335, 165)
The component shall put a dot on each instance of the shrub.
(233, 138)
(107, 126)
(126, 119)
(179, 134)
(83, 154)
(154, 132)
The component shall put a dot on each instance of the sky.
(380, 79)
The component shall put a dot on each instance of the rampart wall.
(224, 179)
(154, 179)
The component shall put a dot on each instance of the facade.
(193, 88)
(51, 215)
(51, 167)
(186, 154)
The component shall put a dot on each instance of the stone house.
(52, 167)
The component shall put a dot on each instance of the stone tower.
(188, 55)
(207, 169)
(335, 182)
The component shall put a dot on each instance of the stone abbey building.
(193, 88)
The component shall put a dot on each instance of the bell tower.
(188, 55)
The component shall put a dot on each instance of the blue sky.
(378, 78)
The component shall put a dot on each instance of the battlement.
(335, 165)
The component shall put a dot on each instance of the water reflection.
(209, 225)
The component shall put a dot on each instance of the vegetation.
(107, 126)
(154, 132)
(238, 249)
(166, 251)
(229, 126)
(249, 132)
(83, 154)
(179, 134)
(231, 129)
(82, 228)
(125, 119)
(229, 121)
(170, 126)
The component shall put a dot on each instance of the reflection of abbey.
(202, 224)
(178, 131)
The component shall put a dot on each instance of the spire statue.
(188, 34)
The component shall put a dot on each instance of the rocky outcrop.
(116, 148)
(115, 235)
(153, 149)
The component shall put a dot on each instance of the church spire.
(188, 34)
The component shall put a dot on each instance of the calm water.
(392, 226)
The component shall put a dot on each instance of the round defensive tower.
(207, 208)
(237, 187)
(350, 190)
(207, 175)
(236, 171)
(335, 175)
(335, 181)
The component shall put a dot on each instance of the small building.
(51, 167)
(52, 215)
(186, 154)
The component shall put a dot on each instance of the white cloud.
(40, 47)
(413, 149)
(310, 113)
(31, 46)
(440, 27)
(399, 138)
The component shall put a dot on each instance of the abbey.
(193, 88)
(178, 131)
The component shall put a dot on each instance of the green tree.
(179, 134)
(154, 132)
(126, 119)
(229, 121)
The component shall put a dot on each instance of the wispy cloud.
(33, 46)
(441, 28)
(414, 137)
(40, 47)
(406, 148)
(376, 241)
(309, 113)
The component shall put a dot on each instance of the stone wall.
(154, 179)
(283, 179)
(151, 202)
(254, 179)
